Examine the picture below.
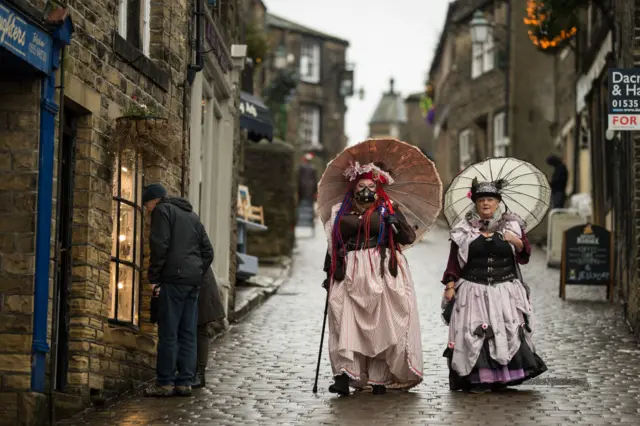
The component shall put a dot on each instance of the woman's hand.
(450, 291)
(512, 238)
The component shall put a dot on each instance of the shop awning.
(255, 118)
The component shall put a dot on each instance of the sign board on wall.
(26, 41)
(624, 99)
(559, 221)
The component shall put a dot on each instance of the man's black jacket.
(180, 248)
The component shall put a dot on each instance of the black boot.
(199, 381)
(379, 389)
(340, 385)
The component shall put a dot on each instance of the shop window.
(310, 62)
(126, 253)
(134, 18)
(309, 126)
(500, 139)
(466, 149)
(483, 59)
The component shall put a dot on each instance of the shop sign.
(624, 99)
(24, 40)
(248, 108)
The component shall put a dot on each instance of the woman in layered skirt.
(374, 333)
(485, 303)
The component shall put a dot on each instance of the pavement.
(261, 371)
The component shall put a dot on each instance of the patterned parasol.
(416, 187)
(525, 190)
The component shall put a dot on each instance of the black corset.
(490, 261)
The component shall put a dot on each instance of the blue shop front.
(31, 45)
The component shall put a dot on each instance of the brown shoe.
(158, 391)
(183, 390)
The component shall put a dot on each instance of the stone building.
(389, 119)
(81, 131)
(495, 98)
(417, 131)
(314, 118)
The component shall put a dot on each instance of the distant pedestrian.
(210, 309)
(558, 182)
(307, 192)
(180, 254)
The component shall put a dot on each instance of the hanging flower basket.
(552, 23)
(144, 131)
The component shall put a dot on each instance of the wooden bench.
(250, 218)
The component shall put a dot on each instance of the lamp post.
(480, 29)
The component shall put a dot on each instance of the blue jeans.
(177, 335)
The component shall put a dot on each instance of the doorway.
(64, 234)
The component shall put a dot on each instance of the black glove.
(325, 284)
(391, 219)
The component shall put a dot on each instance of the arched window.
(126, 254)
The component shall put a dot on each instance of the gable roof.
(285, 24)
(443, 37)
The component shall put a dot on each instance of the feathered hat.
(487, 189)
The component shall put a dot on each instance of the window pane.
(136, 296)
(127, 176)
(126, 293)
(126, 237)
(112, 291)
(114, 232)
(138, 242)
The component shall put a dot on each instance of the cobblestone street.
(261, 372)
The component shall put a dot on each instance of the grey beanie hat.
(153, 191)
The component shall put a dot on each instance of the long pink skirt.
(374, 330)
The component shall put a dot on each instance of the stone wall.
(269, 172)
(19, 118)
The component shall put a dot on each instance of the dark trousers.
(177, 342)
(203, 347)
(557, 199)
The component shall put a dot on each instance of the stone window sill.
(134, 57)
(124, 325)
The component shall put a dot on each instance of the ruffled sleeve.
(523, 257)
(453, 271)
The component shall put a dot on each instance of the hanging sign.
(587, 258)
(624, 99)
(26, 41)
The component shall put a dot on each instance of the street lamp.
(480, 27)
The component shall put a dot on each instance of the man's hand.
(155, 288)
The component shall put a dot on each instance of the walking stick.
(324, 323)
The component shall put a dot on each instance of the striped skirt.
(374, 330)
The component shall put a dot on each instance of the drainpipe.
(40, 347)
(192, 70)
(198, 17)
(507, 80)
(55, 323)
(48, 111)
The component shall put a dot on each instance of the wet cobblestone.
(261, 372)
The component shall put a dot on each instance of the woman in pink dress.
(485, 303)
(374, 333)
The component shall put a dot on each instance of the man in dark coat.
(558, 182)
(180, 254)
(210, 309)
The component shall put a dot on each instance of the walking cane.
(324, 323)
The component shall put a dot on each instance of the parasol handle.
(393, 226)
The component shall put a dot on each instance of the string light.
(536, 17)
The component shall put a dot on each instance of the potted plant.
(142, 129)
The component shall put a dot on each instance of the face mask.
(365, 195)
